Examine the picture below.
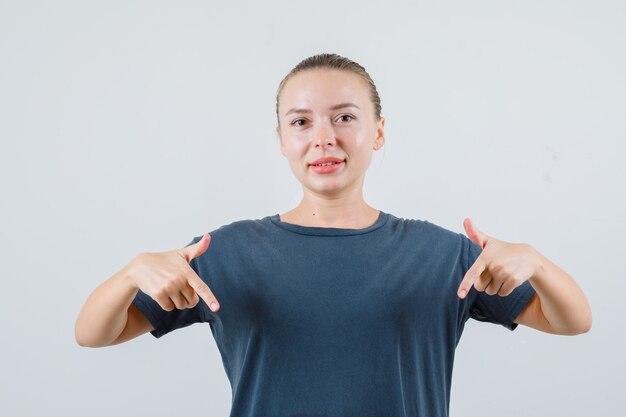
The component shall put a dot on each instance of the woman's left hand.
(501, 267)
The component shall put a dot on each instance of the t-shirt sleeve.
(496, 308)
(166, 321)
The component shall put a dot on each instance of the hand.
(168, 278)
(500, 268)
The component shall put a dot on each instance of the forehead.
(322, 88)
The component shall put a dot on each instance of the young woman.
(334, 308)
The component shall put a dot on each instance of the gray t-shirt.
(333, 322)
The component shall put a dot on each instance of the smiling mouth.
(326, 164)
(326, 168)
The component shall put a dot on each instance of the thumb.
(198, 248)
(474, 234)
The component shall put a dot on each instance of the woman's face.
(328, 113)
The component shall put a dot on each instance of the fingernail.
(213, 306)
(462, 293)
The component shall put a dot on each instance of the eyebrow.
(335, 107)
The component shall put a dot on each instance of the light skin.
(559, 305)
(329, 200)
(336, 200)
(109, 317)
(332, 199)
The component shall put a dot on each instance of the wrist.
(539, 270)
(126, 277)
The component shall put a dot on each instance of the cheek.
(363, 144)
(364, 137)
(296, 154)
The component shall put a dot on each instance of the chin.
(326, 187)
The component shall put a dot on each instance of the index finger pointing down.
(204, 292)
(470, 278)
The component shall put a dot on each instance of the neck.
(345, 212)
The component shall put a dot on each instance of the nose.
(324, 135)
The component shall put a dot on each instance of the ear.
(282, 147)
(380, 134)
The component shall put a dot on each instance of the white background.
(129, 127)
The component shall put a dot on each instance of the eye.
(346, 115)
(295, 122)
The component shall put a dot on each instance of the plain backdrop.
(134, 126)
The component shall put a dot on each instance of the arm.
(560, 306)
(108, 316)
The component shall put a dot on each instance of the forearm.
(104, 315)
(563, 303)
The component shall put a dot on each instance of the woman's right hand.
(168, 278)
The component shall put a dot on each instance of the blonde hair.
(332, 61)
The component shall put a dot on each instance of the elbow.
(80, 338)
(85, 343)
(80, 341)
(580, 324)
(586, 322)
(584, 326)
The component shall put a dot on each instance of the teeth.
(325, 164)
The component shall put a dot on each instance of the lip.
(326, 159)
(327, 168)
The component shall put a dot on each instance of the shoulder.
(427, 230)
(232, 242)
(237, 231)
(242, 226)
(439, 241)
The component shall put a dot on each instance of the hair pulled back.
(332, 61)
